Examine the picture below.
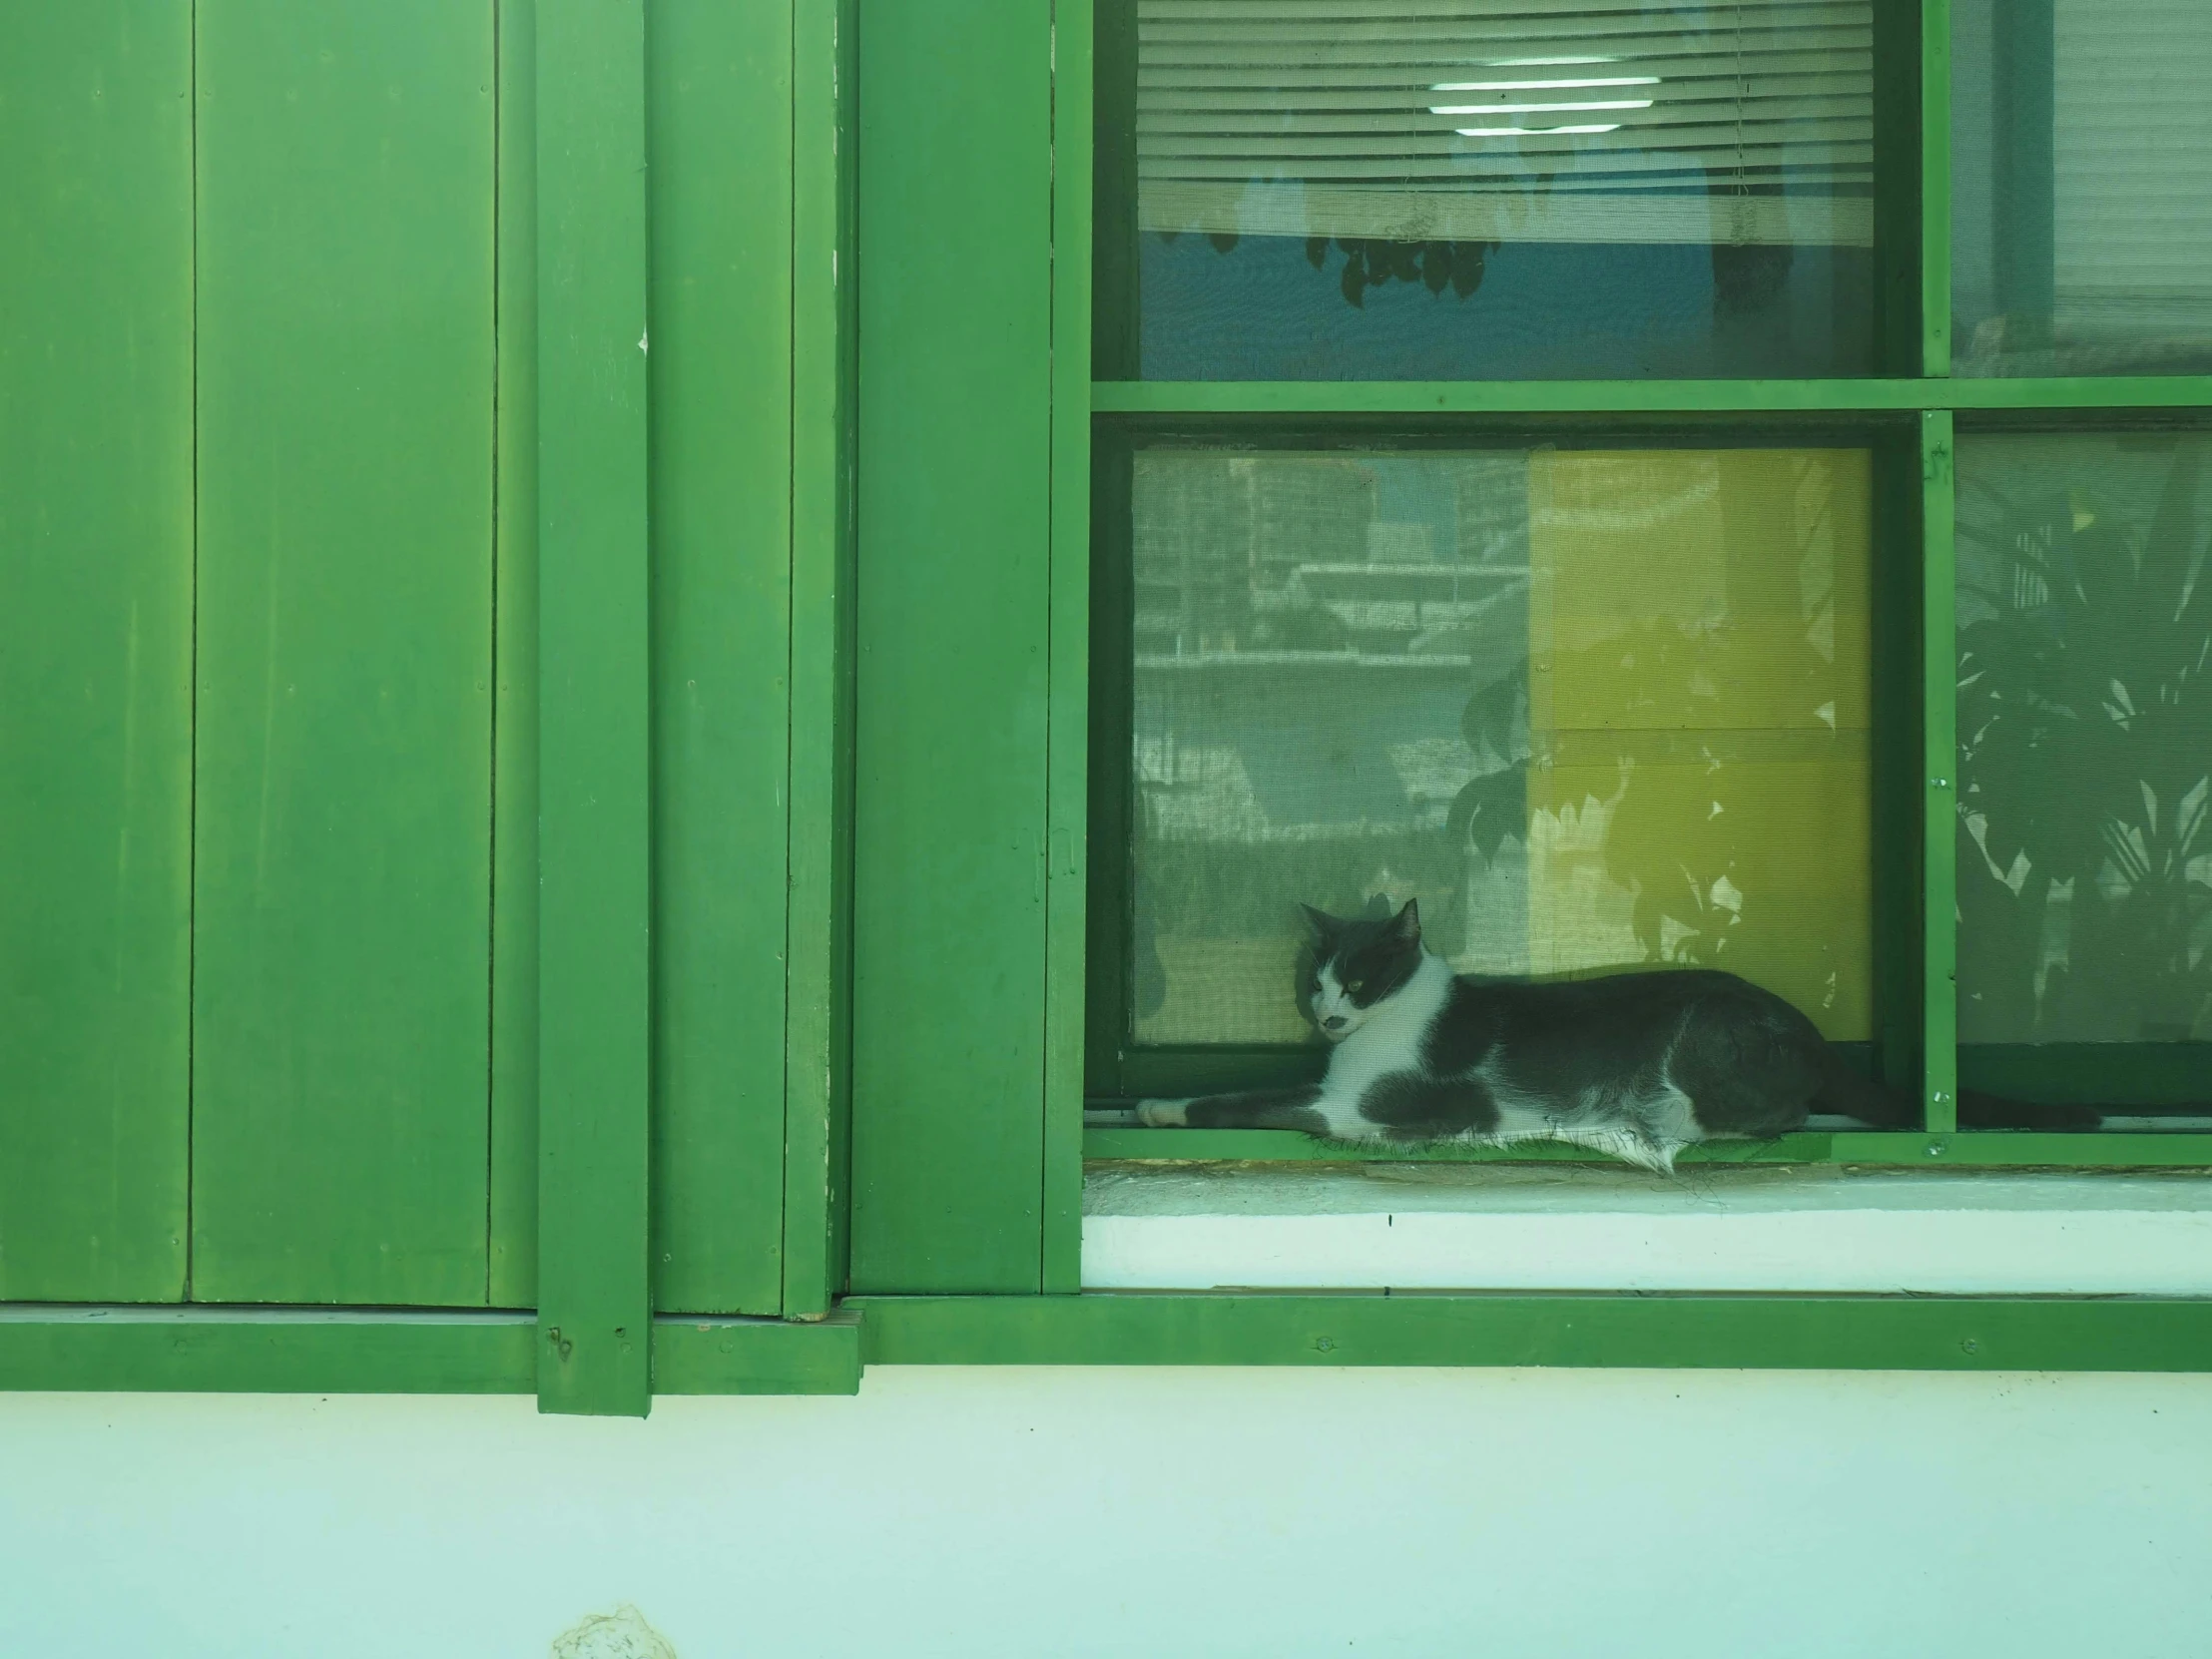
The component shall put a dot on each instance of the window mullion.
(1939, 729)
(1935, 186)
(1068, 752)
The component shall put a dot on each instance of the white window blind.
(1508, 120)
(2133, 193)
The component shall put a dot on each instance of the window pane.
(2085, 739)
(1359, 189)
(2082, 214)
(1594, 710)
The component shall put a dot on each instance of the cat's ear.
(1405, 926)
(1320, 924)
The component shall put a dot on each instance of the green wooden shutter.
(292, 910)
(94, 649)
(949, 868)
(343, 806)
(719, 139)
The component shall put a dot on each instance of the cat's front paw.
(1162, 1114)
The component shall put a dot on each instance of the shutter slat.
(1252, 64)
(1394, 171)
(1285, 149)
(1153, 13)
(1476, 38)
(1156, 18)
(1290, 127)
(1396, 93)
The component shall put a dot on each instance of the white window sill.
(1572, 1228)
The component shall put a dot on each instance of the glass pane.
(2082, 211)
(1593, 709)
(2085, 739)
(1357, 190)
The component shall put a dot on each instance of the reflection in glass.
(2082, 214)
(1592, 709)
(2084, 739)
(1332, 190)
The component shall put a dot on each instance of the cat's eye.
(1356, 986)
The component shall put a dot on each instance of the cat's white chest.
(1389, 1043)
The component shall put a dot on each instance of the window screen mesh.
(1594, 710)
(2086, 739)
(2082, 216)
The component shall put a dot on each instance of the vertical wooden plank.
(818, 1040)
(514, 871)
(342, 805)
(718, 189)
(1067, 778)
(95, 648)
(1939, 725)
(1936, 229)
(594, 760)
(954, 540)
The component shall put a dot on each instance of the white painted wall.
(1566, 1228)
(1037, 1513)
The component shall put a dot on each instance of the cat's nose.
(1335, 1022)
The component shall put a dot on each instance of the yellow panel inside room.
(1592, 709)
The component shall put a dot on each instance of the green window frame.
(1911, 417)
(928, 446)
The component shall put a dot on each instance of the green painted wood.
(1872, 1333)
(343, 778)
(110, 1350)
(1939, 812)
(718, 209)
(955, 205)
(229, 1350)
(115, 1350)
(1111, 1064)
(1289, 1146)
(513, 1277)
(1640, 397)
(818, 1036)
(1934, 185)
(1909, 1149)
(757, 1356)
(94, 649)
(594, 897)
(1067, 775)
(1895, 796)
(2053, 1151)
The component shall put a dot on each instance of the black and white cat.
(1638, 1065)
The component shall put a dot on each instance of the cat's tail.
(1845, 1092)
